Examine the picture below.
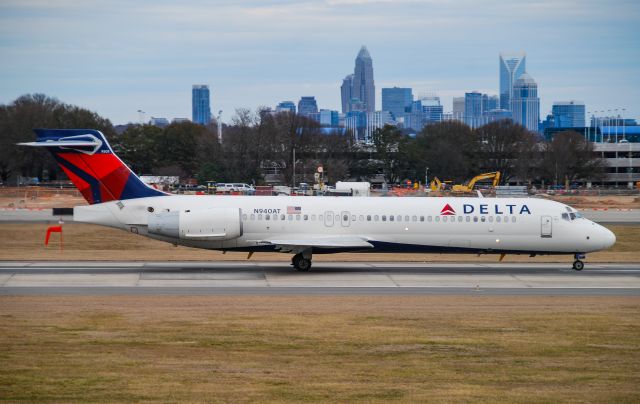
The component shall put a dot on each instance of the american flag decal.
(294, 210)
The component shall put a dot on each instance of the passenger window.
(429, 218)
(490, 219)
(267, 217)
(444, 218)
(244, 217)
(483, 219)
(290, 217)
(498, 219)
(282, 217)
(361, 218)
(468, 219)
(384, 218)
(422, 218)
(475, 219)
(368, 218)
(275, 217)
(260, 216)
(345, 218)
(298, 217)
(390, 218)
(414, 218)
(313, 218)
(437, 218)
(459, 218)
(376, 217)
(513, 219)
(406, 218)
(353, 218)
(306, 217)
(253, 217)
(399, 218)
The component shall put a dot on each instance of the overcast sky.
(116, 57)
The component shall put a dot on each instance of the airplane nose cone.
(609, 238)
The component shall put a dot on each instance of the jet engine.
(203, 224)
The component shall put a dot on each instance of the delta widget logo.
(447, 211)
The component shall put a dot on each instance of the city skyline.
(159, 50)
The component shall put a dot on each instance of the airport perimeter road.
(268, 278)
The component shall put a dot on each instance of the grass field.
(90, 242)
(345, 349)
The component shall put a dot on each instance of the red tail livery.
(89, 162)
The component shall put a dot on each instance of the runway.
(273, 278)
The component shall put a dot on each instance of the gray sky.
(118, 56)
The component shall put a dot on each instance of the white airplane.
(314, 225)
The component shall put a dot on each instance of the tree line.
(257, 143)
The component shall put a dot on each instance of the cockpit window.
(578, 215)
(572, 216)
(565, 216)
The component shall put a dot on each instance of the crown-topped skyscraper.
(363, 89)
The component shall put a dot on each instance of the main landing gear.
(578, 265)
(302, 261)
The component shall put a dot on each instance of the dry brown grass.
(345, 349)
(90, 242)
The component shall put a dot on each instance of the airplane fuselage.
(491, 225)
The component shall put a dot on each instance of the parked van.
(235, 187)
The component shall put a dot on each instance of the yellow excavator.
(437, 185)
(468, 187)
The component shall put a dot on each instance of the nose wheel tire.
(300, 263)
(578, 265)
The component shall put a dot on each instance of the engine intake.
(203, 224)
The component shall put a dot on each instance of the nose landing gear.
(578, 265)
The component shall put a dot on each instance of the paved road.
(267, 278)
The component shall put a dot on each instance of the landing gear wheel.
(578, 265)
(301, 263)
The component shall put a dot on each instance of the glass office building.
(200, 105)
(525, 104)
(396, 100)
(568, 114)
(511, 67)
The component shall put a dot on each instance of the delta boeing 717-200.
(304, 226)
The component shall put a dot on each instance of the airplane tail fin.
(90, 163)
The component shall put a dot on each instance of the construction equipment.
(436, 184)
(468, 187)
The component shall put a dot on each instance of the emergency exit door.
(546, 226)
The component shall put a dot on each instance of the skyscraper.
(329, 118)
(458, 108)
(307, 106)
(286, 106)
(346, 93)
(396, 100)
(490, 102)
(200, 106)
(473, 109)
(525, 104)
(363, 85)
(432, 110)
(511, 67)
(568, 114)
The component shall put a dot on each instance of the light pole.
(141, 116)
(623, 134)
(219, 121)
(617, 116)
(426, 178)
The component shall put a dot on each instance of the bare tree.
(569, 157)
